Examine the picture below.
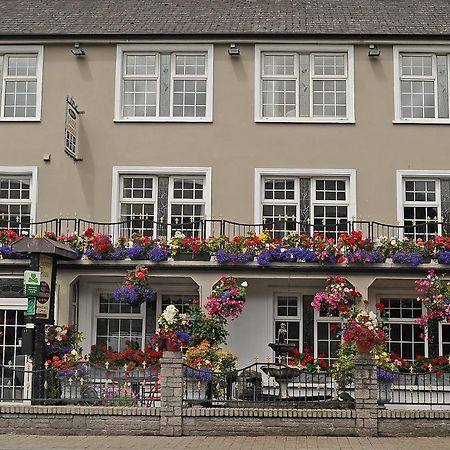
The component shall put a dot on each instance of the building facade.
(321, 117)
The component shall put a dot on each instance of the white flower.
(58, 338)
(244, 284)
(170, 313)
(372, 315)
(74, 352)
(58, 329)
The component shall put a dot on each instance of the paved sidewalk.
(14, 442)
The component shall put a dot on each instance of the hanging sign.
(31, 281)
(31, 307)
(43, 299)
(71, 141)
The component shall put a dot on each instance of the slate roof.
(58, 18)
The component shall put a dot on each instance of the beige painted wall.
(233, 145)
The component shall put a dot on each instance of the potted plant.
(171, 334)
(227, 298)
(314, 370)
(183, 248)
(136, 288)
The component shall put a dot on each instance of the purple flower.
(365, 256)
(118, 253)
(204, 374)
(93, 255)
(185, 338)
(135, 252)
(386, 375)
(443, 257)
(224, 257)
(158, 254)
(413, 259)
(134, 295)
(7, 253)
(265, 258)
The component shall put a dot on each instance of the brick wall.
(171, 419)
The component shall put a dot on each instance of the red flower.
(379, 306)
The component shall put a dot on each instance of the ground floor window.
(181, 302)
(118, 322)
(12, 324)
(328, 338)
(288, 312)
(405, 336)
(444, 338)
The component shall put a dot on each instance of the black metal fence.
(205, 228)
(83, 384)
(258, 384)
(415, 389)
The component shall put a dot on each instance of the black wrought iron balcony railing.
(205, 228)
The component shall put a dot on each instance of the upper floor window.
(425, 205)
(307, 204)
(304, 83)
(17, 193)
(421, 84)
(164, 83)
(21, 83)
(161, 202)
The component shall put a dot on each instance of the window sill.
(421, 121)
(294, 120)
(20, 119)
(164, 119)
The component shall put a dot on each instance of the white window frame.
(123, 49)
(297, 319)
(21, 50)
(441, 343)
(98, 315)
(24, 171)
(172, 172)
(345, 174)
(312, 50)
(400, 321)
(421, 175)
(415, 50)
(323, 319)
(183, 201)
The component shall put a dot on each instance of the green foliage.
(342, 369)
(202, 326)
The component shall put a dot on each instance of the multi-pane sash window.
(318, 204)
(149, 202)
(163, 84)
(303, 85)
(15, 203)
(328, 328)
(21, 79)
(445, 338)
(422, 84)
(405, 336)
(426, 206)
(181, 302)
(288, 312)
(118, 322)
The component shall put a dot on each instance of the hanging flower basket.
(136, 289)
(227, 299)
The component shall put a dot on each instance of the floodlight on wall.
(374, 50)
(233, 50)
(77, 50)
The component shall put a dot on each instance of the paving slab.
(30, 442)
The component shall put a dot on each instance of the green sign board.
(31, 307)
(32, 277)
(32, 290)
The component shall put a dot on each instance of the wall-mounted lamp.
(77, 50)
(233, 50)
(373, 50)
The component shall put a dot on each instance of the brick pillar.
(366, 395)
(171, 422)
